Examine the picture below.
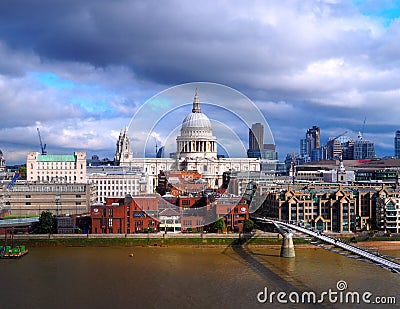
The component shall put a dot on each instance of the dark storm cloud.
(304, 62)
(170, 41)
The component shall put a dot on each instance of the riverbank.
(216, 241)
(269, 240)
(380, 245)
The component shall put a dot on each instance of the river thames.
(182, 277)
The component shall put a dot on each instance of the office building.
(364, 149)
(310, 143)
(257, 148)
(2, 162)
(256, 136)
(397, 144)
(117, 181)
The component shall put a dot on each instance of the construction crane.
(360, 134)
(340, 135)
(12, 183)
(43, 147)
(332, 142)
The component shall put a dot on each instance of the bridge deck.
(379, 260)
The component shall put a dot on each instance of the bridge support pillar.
(287, 249)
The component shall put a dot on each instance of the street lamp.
(57, 201)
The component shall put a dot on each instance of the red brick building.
(234, 211)
(125, 216)
(109, 218)
(145, 213)
(142, 214)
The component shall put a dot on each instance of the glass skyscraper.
(397, 144)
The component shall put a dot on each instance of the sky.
(81, 70)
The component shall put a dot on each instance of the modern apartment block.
(56, 168)
(335, 208)
(388, 212)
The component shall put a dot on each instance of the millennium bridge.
(287, 249)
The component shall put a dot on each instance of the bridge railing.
(381, 261)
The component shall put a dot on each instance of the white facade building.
(117, 181)
(56, 168)
(339, 175)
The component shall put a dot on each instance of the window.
(110, 222)
(28, 196)
(110, 212)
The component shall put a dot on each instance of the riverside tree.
(45, 224)
(220, 225)
(248, 226)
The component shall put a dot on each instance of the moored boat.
(11, 251)
(8, 252)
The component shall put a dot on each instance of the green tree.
(45, 224)
(220, 225)
(248, 226)
(22, 172)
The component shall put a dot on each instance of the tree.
(22, 172)
(248, 226)
(45, 224)
(220, 225)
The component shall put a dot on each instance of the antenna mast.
(361, 134)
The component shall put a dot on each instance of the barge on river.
(8, 252)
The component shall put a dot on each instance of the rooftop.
(55, 158)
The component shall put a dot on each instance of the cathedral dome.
(196, 139)
(196, 121)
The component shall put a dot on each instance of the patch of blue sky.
(92, 104)
(384, 10)
(88, 97)
(158, 103)
(53, 80)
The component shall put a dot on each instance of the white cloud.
(303, 62)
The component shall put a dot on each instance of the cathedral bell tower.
(124, 153)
